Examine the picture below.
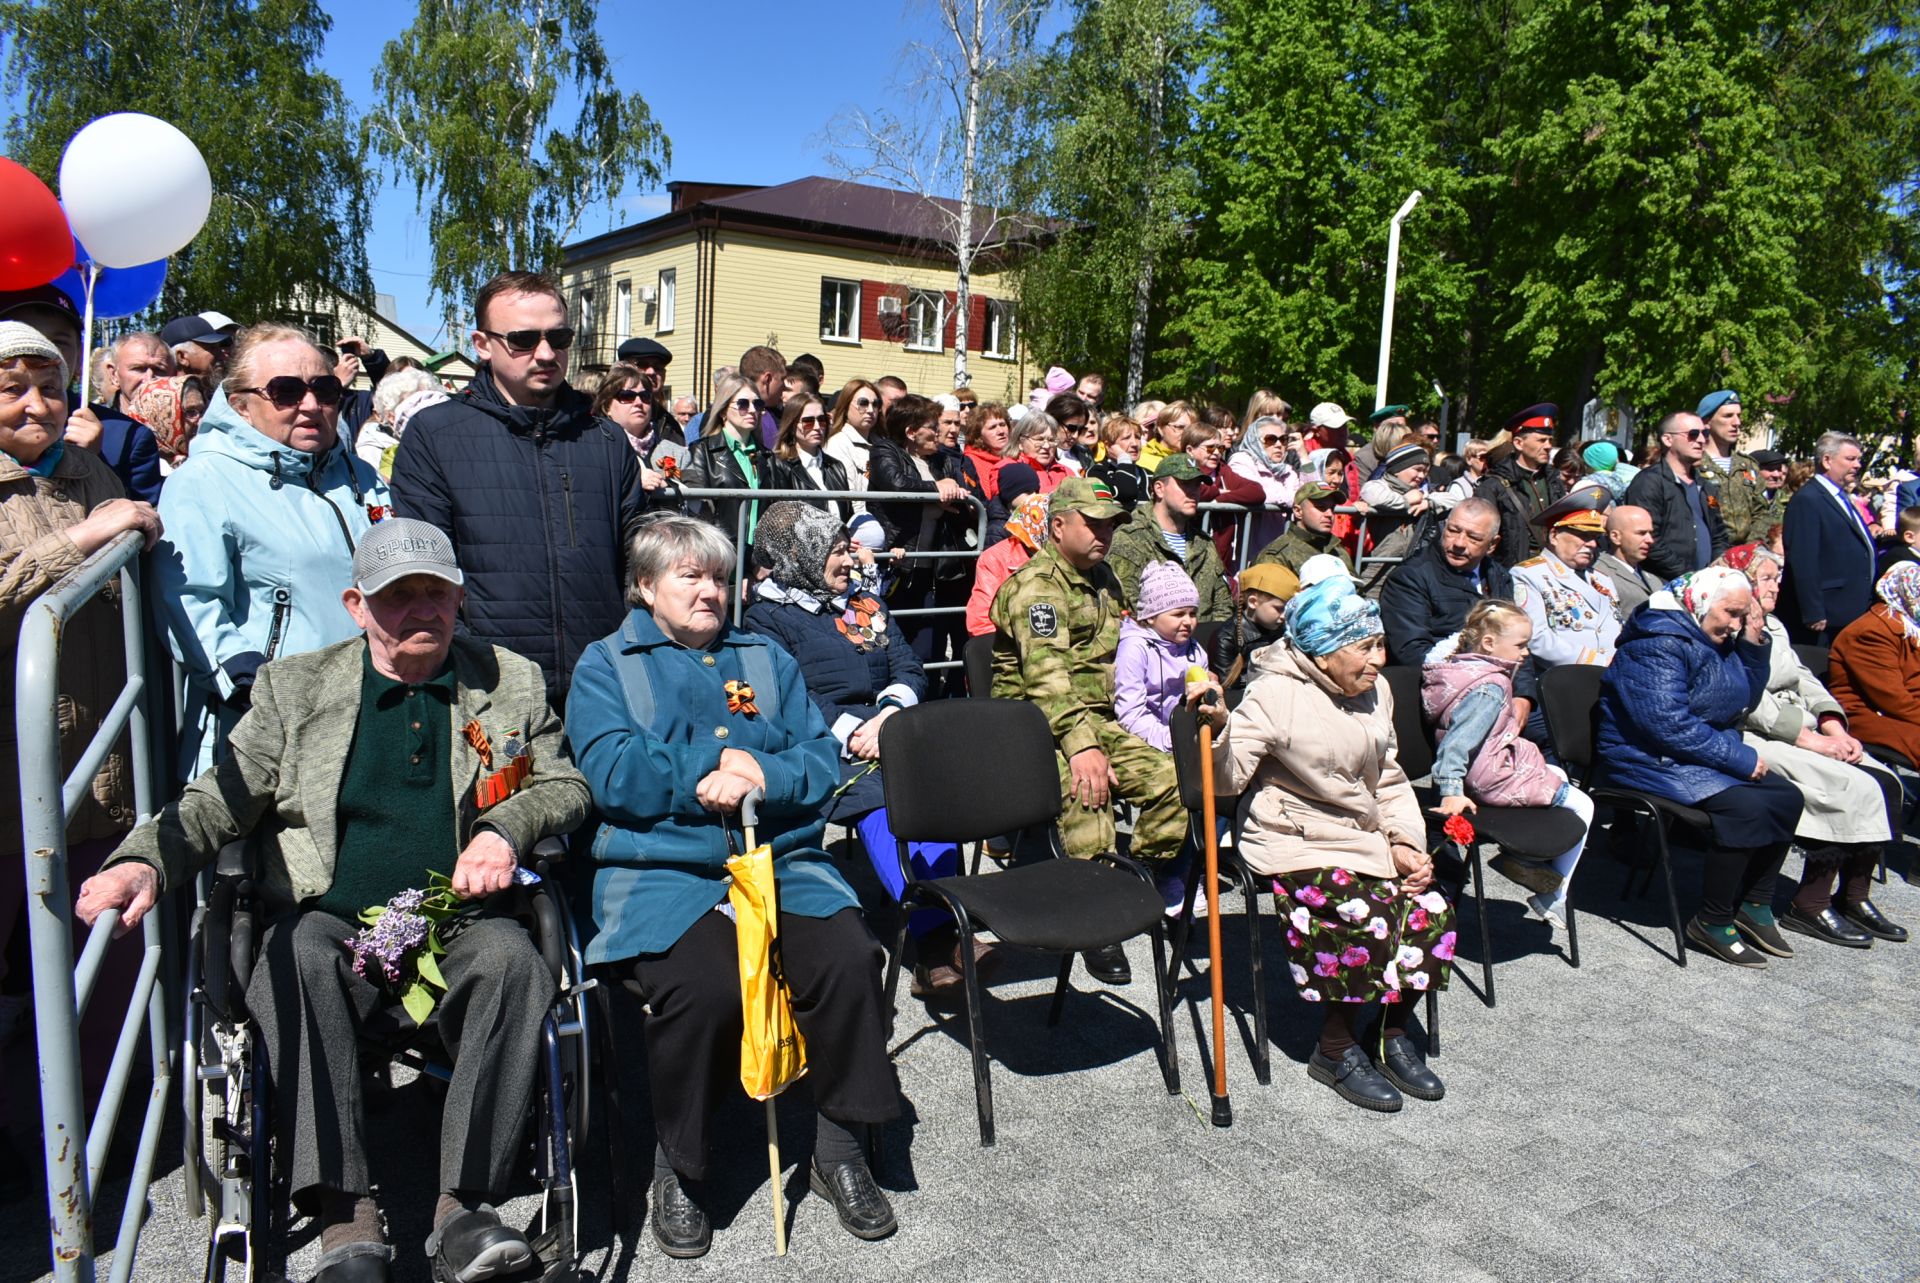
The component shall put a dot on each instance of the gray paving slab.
(1629, 1120)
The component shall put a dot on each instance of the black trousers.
(692, 992)
(1738, 875)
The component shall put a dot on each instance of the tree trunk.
(963, 242)
(1144, 273)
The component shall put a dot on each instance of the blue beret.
(1714, 400)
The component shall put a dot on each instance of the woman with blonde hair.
(856, 414)
(1264, 403)
(1166, 433)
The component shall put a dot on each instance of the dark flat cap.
(644, 350)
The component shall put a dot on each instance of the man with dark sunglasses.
(1683, 501)
(537, 494)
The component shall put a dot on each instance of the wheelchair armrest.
(234, 861)
(548, 851)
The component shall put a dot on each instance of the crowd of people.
(387, 602)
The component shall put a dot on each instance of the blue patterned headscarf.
(1331, 614)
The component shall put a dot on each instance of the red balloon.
(35, 245)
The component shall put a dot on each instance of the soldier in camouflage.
(1312, 530)
(1737, 473)
(1056, 628)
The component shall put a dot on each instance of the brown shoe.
(944, 979)
(1538, 878)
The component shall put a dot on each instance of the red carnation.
(1459, 829)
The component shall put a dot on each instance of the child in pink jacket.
(1156, 650)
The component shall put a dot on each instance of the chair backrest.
(1815, 657)
(977, 656)
(1570, 698)
(959, 770)
(1204, 633)
(1186, 758)
(1409, 720)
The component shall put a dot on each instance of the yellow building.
(853, 274)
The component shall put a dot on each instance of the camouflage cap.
(1088, 496)
(1313, 491)
(1180, 467)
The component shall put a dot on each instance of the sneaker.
(1173, 893)
(1547, 909)
(1724, 945)
(1534, 877)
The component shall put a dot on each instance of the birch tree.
(945, 142)
(467, 107)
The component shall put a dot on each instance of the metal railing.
(1243, 516)
(747, 499)
(76, 1146)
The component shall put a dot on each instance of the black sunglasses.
(865, 403)
(627, 396)
(749, 403)
(559, 338)
(287, 391)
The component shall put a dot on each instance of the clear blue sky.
(747, 109)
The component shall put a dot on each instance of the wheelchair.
(229, 1140)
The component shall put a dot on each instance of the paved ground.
(1629, 1120)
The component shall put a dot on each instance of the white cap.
(1321, 566)
(1329, 415)
(219, 321)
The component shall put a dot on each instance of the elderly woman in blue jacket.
(1688, 670)
(674, 719)
(261, 523)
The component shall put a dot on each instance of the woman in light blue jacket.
(261, 522)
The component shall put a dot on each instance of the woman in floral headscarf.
(1333, 821)
(859, 671)
(1852, 804)
(172, 408)
(1688, 669)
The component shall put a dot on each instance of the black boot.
(1108, 965)
(679, 1226)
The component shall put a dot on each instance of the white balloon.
(135, 189)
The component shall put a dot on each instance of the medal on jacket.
(740, 699)
(497, 786)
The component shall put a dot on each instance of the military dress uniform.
(1575, 615)
(1056, 631)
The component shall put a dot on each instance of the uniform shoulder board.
(1531, 561)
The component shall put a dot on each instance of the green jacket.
(280, 781)
(1138, 543)
(1294, 547)
(1745, 510)
(1056, 630)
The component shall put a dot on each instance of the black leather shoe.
(1867, 916)
(355, 1263)
(1109, 965)
(1825, 925)
(1763, 935)
(1736, 950)
(1356, 1080)
(470, 1247)
(863, 1209)
(679, 1226)
(1406, 1069)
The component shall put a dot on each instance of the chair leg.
(893, 966)
(1665, 858)
(1262, 1057)
(1433, 1024)
(1060, 990)
(976, 1031)
(1486, 937)
(1169, 1058)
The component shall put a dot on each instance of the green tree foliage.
(239, 78)
(465, 106)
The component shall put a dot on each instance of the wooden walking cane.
(1222, 1106)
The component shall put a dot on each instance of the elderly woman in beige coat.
(1332, 819)
(1801, 731)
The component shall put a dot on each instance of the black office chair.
(961, 770)
(1532, 833)
(977, 656)
(1570, 697)
(1818, 661)
(1186, 765)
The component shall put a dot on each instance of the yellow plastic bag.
(772, 1052)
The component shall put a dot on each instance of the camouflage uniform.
(1138, 544)
(1294, 547)
(1745, 510)
(1056, 630)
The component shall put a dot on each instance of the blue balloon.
(117, 291)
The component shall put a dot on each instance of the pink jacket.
(995, 565)
(1149, 681)
(1507, 769)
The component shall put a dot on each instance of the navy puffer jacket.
(1672, 703)
(538, 503)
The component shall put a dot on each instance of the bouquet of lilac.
(401, 941)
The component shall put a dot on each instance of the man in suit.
(360, 769)
(1830, 553)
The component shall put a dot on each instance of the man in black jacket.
(1522, 486)
(1684, 502)
(538, 495)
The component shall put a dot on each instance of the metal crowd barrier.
(76, 1146)
(1243, 517)
(742, 577)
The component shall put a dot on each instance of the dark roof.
(815, 208)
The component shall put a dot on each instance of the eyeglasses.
(745, 403)
(865, 403)
(1693, 434)
(627, 396)
(808, 420)
(559, 338)
(287, 391)
(1271, 441)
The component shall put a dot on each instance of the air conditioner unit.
(648, 294)
(889, 305)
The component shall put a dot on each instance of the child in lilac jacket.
(1156, 649)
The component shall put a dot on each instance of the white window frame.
(916, 300)
(839, 285)
(668, 302)
(587, 324)
(622, 312)
(1002, 338)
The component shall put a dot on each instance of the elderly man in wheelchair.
(359, 770)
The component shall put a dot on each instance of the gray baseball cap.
(401, 546)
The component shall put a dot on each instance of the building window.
(839, 310)
(999, 338)
(925, 314)
(584, 324)
(622, 313)
(667, 281)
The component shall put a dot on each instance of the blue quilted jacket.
(538, 503)
(1671, 705)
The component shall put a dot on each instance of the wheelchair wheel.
(247, 1200)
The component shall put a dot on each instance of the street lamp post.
(1386, 309)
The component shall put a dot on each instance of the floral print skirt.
(1352, 938)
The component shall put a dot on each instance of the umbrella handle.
(750, 812)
